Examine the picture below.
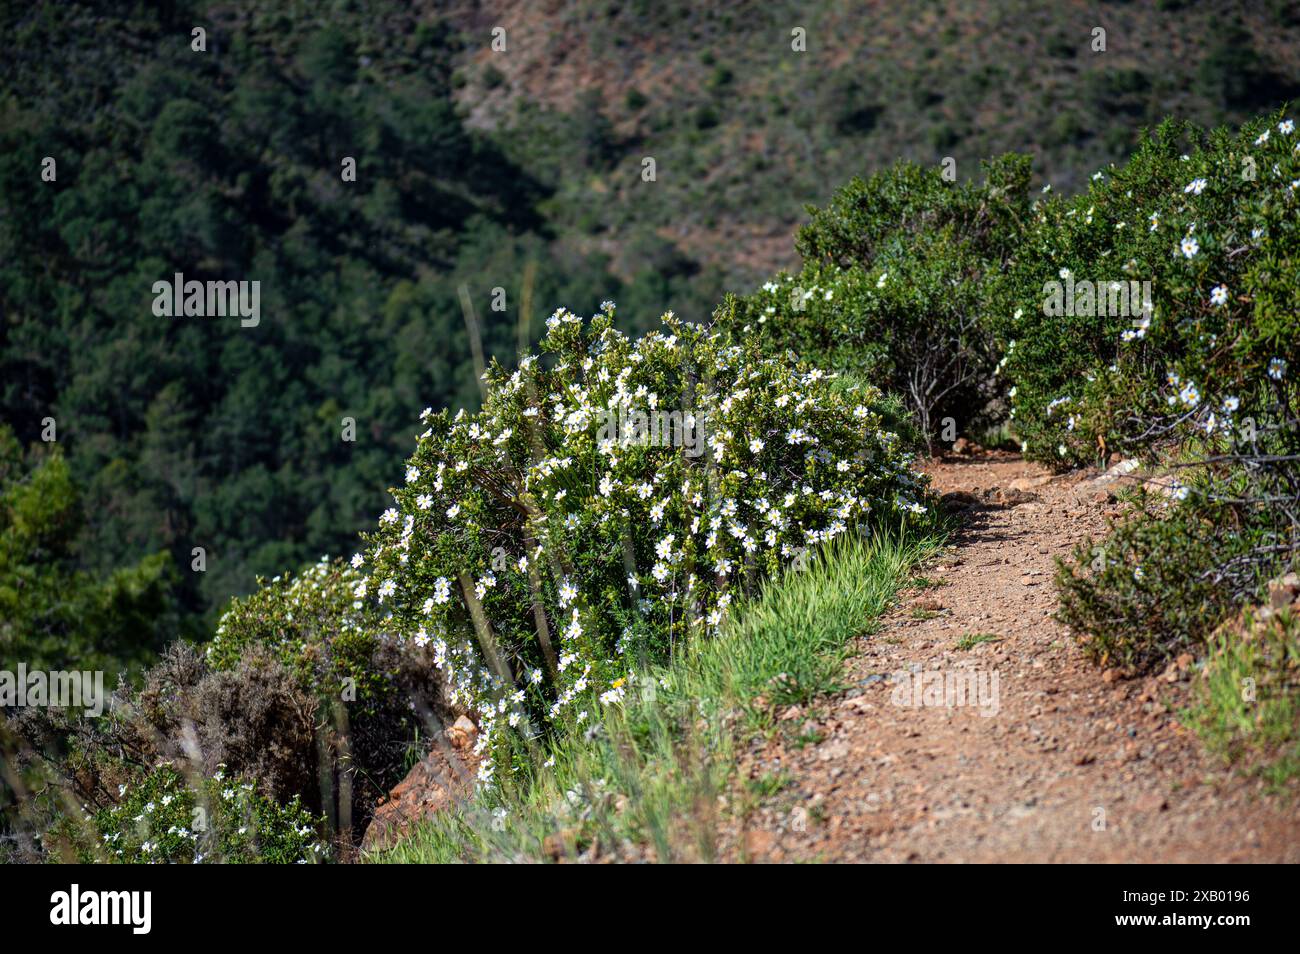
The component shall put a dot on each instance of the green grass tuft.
(1247, 708)
(971, 640)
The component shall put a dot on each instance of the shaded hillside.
(746, 132)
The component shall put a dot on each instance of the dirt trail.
(1070, 768)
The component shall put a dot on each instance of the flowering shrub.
(608, 505)
(1197, 380)
(165, 820)
(1213, 230)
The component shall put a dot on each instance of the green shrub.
(167, 818)
(1155, 586)
(545, 554)
(893, 287)
(314, 626)
(373, 697)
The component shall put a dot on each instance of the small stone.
(1283, 590)
(462, 733)
(1151, 802)
(1029, 483)
(759, 843)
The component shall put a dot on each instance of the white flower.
(1219, 295)
(755, 446)
(1190, 247)
(1286, 127)
(1196, 186)
(441, 590)
(1277, 369)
